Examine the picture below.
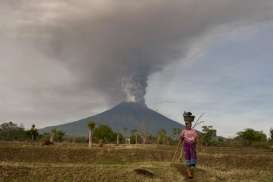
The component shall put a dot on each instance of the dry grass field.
(25, 162)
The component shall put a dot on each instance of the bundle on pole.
(198, 122)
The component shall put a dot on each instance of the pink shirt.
(188, 135)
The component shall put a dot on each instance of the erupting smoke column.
(135, 88)
(111, 47)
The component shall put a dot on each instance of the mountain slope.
(125, 115)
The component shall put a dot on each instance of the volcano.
(122, 118)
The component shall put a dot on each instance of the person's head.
(188, 125)
(188, 118)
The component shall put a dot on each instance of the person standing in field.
(188, 137)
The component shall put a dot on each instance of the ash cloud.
(110, 48)
(105, 43)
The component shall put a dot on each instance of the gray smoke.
(112, 47)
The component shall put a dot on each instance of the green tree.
(271, 135)
(119, 137)
(11, 131)
(91, 127)
(162, 136)
(104, 133)
(135, 136)
(208, 135)
(249, 136)
(175, 133)
(56, 135)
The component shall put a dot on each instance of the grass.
(75, 162)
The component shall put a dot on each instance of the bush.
(250, 136)
(104, 133)
(11, 131)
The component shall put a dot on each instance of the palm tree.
(117, 138)
(91, 127)
(53, 134)
(176, 132)
(56, 135)
(125, 135)
(142, 130)
(33, 132)
(161, 136)
(271, 134)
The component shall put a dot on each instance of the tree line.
(104, 134)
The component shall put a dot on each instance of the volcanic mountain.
(127, 115)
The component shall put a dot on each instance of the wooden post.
(117, 139)
(90, 138)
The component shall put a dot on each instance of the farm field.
(75, 162)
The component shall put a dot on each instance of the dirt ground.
(75, 162)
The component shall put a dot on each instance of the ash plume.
(134, 87)
(112, 47)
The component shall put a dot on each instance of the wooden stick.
(198, 124)
(181, 154)
(175, 154)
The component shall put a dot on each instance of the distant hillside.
(125, 115)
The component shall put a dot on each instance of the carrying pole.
(175, 154)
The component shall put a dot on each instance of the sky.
(230, 82)
(65, 60)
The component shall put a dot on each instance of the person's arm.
(181, 136)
